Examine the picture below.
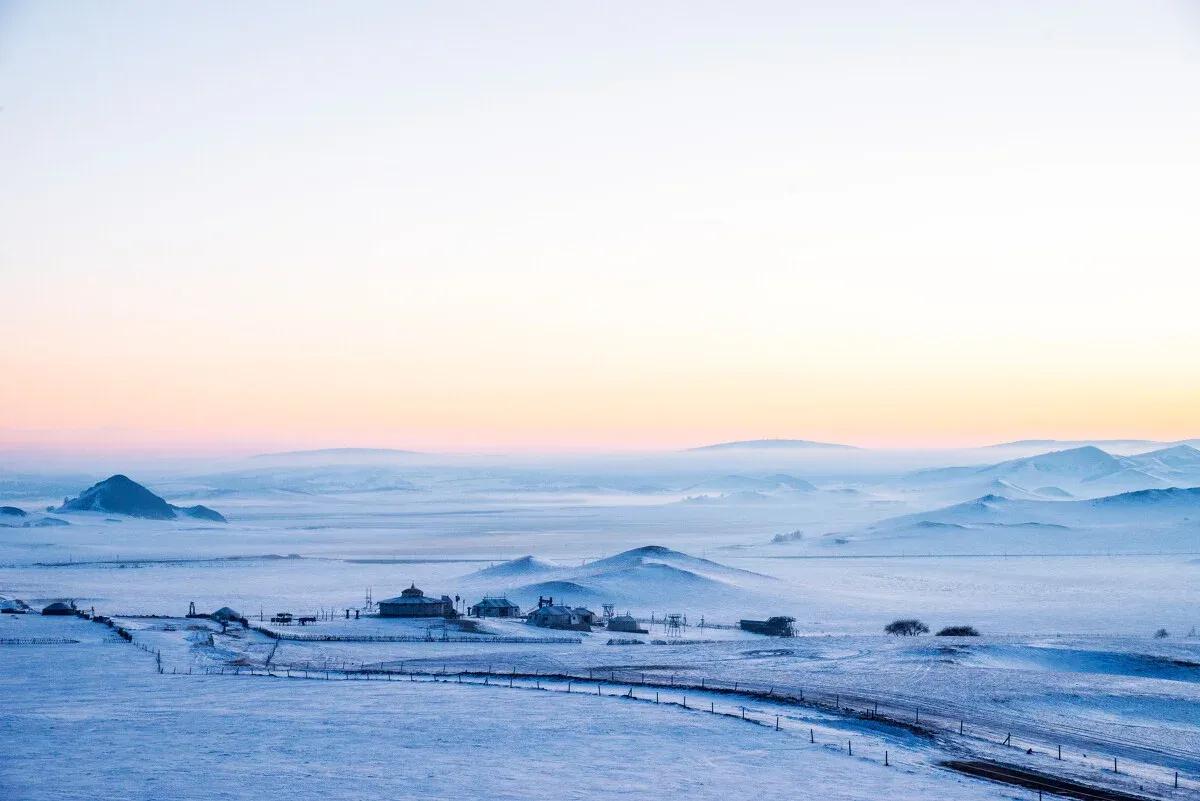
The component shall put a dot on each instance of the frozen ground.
(1067, 613)
(127, 732)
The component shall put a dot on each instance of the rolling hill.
(121, 495)
(1142, 520)
(1086, 472)
(646, 577)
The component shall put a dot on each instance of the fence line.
(37, 641)
(893, 710)
(298, 637)
(578, 683)
(912, 718)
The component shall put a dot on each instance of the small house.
(626, 623)
(778, 626)
(58, 608)
(556, 616)
(414, 603)
(495, 607)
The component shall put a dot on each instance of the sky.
(553, 226)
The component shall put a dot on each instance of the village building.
(414, 603)
(626, 623)
(495, 607)
(549, 615)
(778, 626)
(587, 616)
(58, 608)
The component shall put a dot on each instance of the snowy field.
(131, 733)
(1067, 593)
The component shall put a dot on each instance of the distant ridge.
(771, 444)
(1084, 472)
(1120, 444)
(319, 452)
(996, 510)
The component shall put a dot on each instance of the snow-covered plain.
(94, 720)
(1067, 591)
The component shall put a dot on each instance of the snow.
(140, 735)
(1067, 594)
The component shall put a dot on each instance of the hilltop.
(1149, 519)
(1085, 471)
(649, 575)
(121, 495)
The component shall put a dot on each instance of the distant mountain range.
(338, 453)
(121, 495)
(1132, 445)
(1085, 471)
(1151, 520)
(1176, 504)
(770, 444)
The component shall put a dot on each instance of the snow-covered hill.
(645, 577)
(1085, 472)
(1144, 520)
(121, 495)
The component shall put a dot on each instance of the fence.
(37, 641)
(647, 689)
(287, 635)
(1160, 764)
(1156, 764)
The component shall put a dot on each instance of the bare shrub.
(958, 631)
(906, 628)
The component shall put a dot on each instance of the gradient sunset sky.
(556, 226)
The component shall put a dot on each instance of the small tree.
(906, 628)
(1161, 634)
(958, 631)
